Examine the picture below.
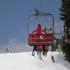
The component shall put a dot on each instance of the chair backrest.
(40, 39)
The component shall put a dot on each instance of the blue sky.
(14, 17)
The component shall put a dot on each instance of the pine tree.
(65, 16)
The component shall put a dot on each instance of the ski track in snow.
(25, 61)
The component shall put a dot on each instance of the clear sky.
(14, 17)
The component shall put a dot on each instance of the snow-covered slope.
(25, 61)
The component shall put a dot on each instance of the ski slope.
(24, 61)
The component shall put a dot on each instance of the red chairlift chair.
(41, 38)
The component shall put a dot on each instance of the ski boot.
(44, 53)
(33, 53)
(39, 54)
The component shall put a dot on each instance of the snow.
(25, 61)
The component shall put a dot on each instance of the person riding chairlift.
(39, 30)
(39, 48)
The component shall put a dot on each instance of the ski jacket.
(39, 30)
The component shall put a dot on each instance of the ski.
(40, 58)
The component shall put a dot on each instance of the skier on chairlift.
(40, 48)
(39, 30)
